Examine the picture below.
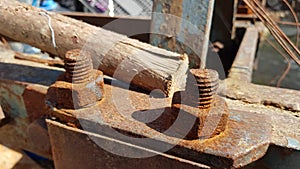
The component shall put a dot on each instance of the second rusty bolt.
(200, 100)
(80, 86)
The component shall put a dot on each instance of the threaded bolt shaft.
(78, 65)
(208, 83)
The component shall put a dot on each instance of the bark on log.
(156, 68)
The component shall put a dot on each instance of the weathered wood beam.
(143, 65)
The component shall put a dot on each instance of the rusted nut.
(80, 86)
(210, 111)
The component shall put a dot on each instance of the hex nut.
(208, 122)
(67, 95)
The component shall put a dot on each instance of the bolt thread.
(207, 83)
(78, 65)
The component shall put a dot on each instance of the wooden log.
(139, 63)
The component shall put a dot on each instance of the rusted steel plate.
(30, 72)
(21, 130)
(24, 104)
(77, 149)
(266, 95)
(245, 140)
(183, 26)
(34, 98)
(284, 151)
(238, 85)
(11, 98)
(285, 126)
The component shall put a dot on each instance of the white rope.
(50, 26)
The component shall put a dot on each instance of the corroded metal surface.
(34, 97)
(19, 131)
(238, 85)
(88, 154)
(24, 104)
(209, 122)
(200, 101)
(285, 126)
(125, 115)
(182, 26)
(259, 94)
(245, 140)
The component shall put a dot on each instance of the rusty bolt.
(210, 111)
(78, 67)
(208, 83)
(80, 86)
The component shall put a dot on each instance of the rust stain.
(35, 101)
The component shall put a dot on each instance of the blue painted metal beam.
(183, 26)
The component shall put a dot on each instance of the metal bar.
(238, 85)
(75, 149)
(22, 99)
(183, 26)
(243, 64)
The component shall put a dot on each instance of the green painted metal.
(11, 98)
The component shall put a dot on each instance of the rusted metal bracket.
(23, 88)
(279, 106)
(183, 26)
(75, 148)
(252, 131)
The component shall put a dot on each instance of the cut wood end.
(183, 57)
(178, 79)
